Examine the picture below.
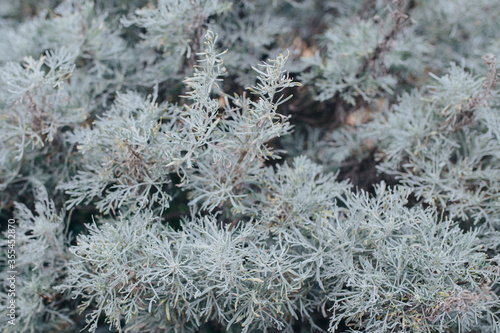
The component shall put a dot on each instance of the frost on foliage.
(41, 264)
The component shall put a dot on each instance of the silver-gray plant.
(149, 181)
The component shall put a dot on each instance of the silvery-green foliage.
(120, 156)
(59, 68)
(437, 33)
(175, 28)
(41, 264)
(94, 118)
(131, 149)
(443, 144)
(238, 146)
(458, 30)
(305, 141)
(249, 30)
(249, 33)
(104, 62)
(173, 24)
(362, 58)
(403, 267)
(294, 194)
(32, 37)
(155, 277)
(35, 99)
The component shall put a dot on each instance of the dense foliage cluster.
(162, 177)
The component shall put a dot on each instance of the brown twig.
(196, 27)
(467, 113)
(401, 20)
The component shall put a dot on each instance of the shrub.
(157, 174)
